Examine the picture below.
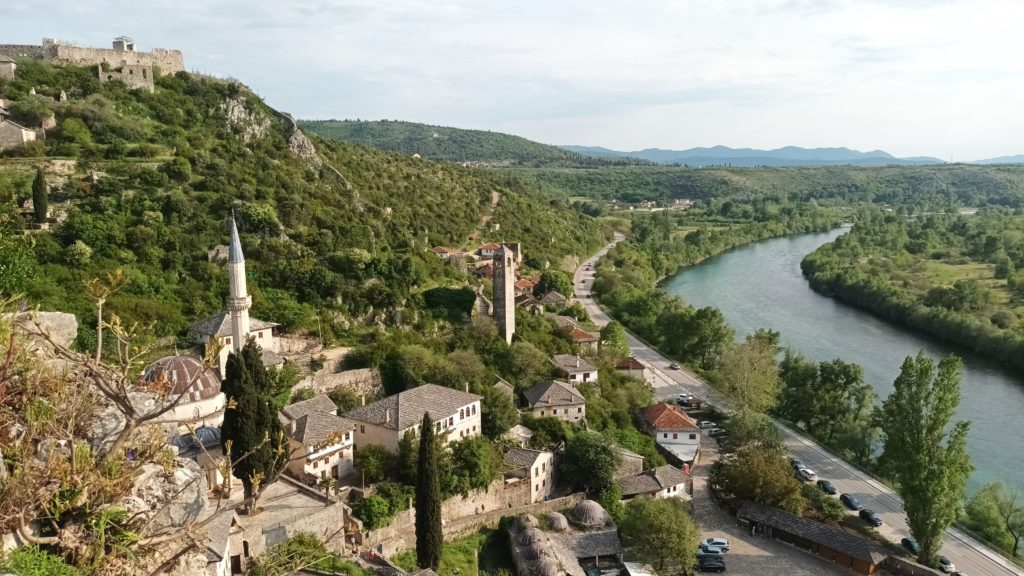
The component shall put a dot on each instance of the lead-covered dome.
(589, 514)
(174, 375)
(558, 522)
(530, 536)
(546, 567)
(528, 521)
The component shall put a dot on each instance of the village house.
(630, 463)
(585, 340)
(7, 67)
(444, 253)
(524, 286)
(321, 442)
(13, 134)
(662, 482)
(563, 321)
(558, 400)
(554, 300)
(520, 435)
(455, 414)
(673, 431)
(527, 302)
(534, 466)
(502, 385)
(488, 250)
(484, 271)
(575, 369)
(631, 367)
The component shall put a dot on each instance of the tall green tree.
(589, 462)
(251, 431)
(553, 280)
(711, 336)
(763, 477)
(997, 515)
(661, 528)
(926, 456)
(498, 412)
(40, 196)
(429, 538)
(750, 376)
(613, 339)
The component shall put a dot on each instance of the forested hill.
(143, 182)
(454, 144)
(927, 186)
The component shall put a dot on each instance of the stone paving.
(749, 555)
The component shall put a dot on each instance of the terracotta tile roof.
(822, 534)
(650, 481)
(524, 284)
(442, 250)
(405, 409)
(582, 336)
(553, 393)
(664, 416)
(489, 246)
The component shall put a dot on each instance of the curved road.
(970, 557)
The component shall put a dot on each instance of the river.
(760, 286)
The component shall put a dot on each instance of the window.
(259, 334)
(227, 340)
(451, 420)
(664, 435)
(362, 429)
(554, 412)
(474, 409)
(541, 412)
(316, 464)
(474, 428)
(693, 436)
(579, 410)
(543, 466)
(675, 436)
(345, 437)
(462, 414)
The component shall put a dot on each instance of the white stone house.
(321, 442)
(662, 482)
(558, 400)
(534, 466)
(673, 430)
(455, 414)
(631, 367)
(575, 369)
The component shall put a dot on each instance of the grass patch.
(486, 550)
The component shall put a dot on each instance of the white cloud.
(914, 77)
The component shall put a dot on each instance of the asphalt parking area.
(751, 555)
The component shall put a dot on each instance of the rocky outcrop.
(170, 499)
(251, 123)
(60, 326)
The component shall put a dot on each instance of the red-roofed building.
(488, 250)
(586, 340)
(443, 253)
(524, 286)
(631, 367)
(672, 430)
(485, 271)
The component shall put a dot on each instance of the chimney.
(362, 399)
(387, 416)
(467, 386)
(577, 360)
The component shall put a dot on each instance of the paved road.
(970, 556)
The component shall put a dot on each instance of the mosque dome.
(174, 375)
(557, 522)
(589, 514)
(528, 521)
(530, 536)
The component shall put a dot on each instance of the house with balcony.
(455, 414)
(673, 430)
(321, 442)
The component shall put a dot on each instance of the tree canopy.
(661, 529)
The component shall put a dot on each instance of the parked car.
(706, 424)
(715, 432)
(711, 565)
(946, 565)
(684, 397)
(674, 366)
(720, 543)
(911, 545)
(703, 551)
(807, 475)
(827, 487)
(870, 517)
(796, 463)
(850, 502)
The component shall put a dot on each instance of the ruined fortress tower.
(506, 259)
(121, 54)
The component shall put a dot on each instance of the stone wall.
(361, 381)
(23, 51)
(136, 77)
(169, 61)
(13, 135)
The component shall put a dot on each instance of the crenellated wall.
(168, 61)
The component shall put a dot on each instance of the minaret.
(504, 291)
(239, 300)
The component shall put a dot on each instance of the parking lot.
(752, 555)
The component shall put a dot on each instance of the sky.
(911, 77)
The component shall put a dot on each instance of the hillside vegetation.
(922, 186)
(955, 277)
(144, 182)
(454, 144)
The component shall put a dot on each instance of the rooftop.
(663, 416)
(319, 427)
(220, 325)
(584, 336)
(629, 364)
(571, 364)
(174, 375)
(405, 409)
(320, 403)
(554, 297)
(653, 480)
(813, 531)
(553, 393)
(523, 457)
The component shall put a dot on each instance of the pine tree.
(40, 196)
(251, 424)
(429, 538)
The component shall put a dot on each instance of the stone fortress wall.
(122, 53)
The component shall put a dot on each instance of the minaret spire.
(238, 301)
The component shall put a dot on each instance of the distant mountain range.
(1015, 159)
(746, 157)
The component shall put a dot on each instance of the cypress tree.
(250, 422)
(40, 196)
(429, 538)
